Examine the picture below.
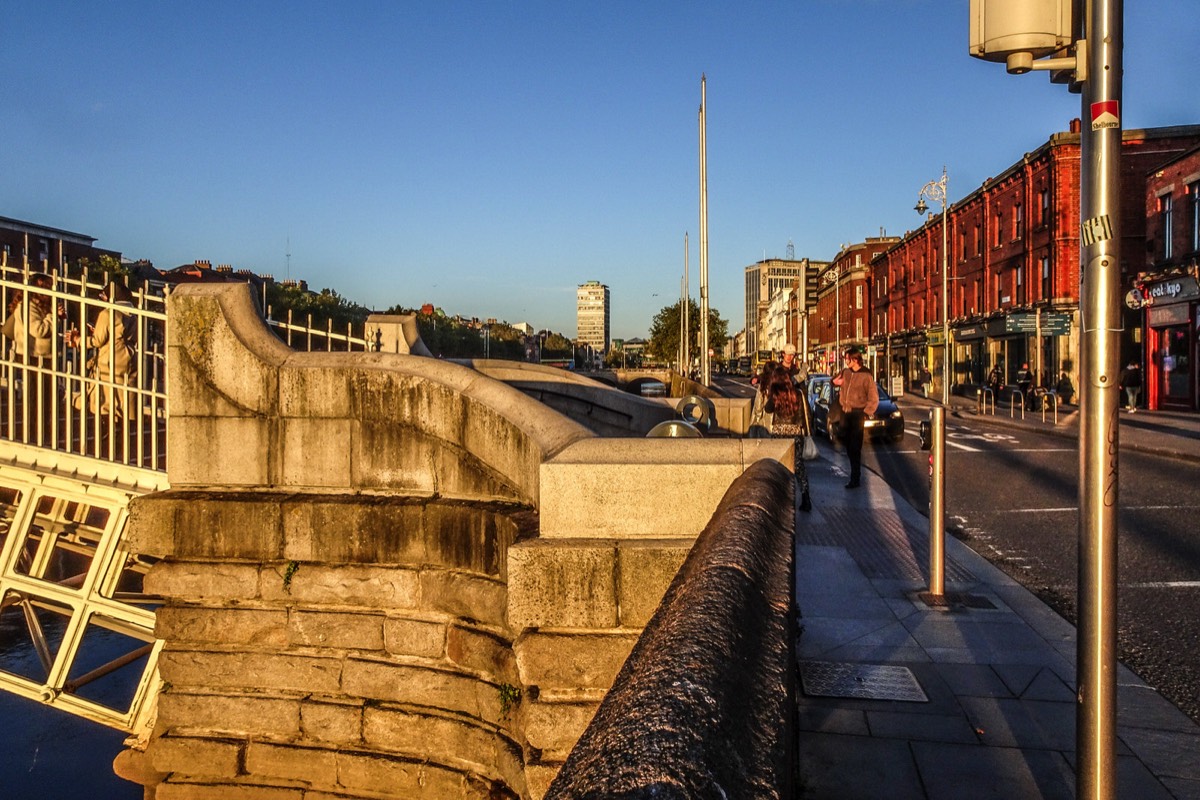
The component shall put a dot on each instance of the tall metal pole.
(705, 366)
(946, 350)
(937, 503)
(685, 340)
(1099, 439)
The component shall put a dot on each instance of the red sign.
(1106, 114)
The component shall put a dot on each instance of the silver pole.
(946, 351)
(1100, 315)
(685, 364)
(705, 358)
(937, 503)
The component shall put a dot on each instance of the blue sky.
(488, 157)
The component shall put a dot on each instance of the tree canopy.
(664, 332)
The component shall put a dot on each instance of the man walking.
(1131, 382)
(859, 398)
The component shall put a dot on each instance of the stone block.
(180, 624)
(421, 685)
(443, 738)
(481, 650)
(283, 672)
(646, 569)
(200, 581)
(241, 715)
(317, 386)
(314, 765)
(414, 637)
(399, 777)
(174, 789)
(538, 778)
(220, 451)
(316, 452)
(342, 631)
(228, 525)
(663, 487)
(365, 586)
(332, 719)
(190, 755)
(553, 728)
(563, 660)
(462, 594)
(355, 529)
(560, 583)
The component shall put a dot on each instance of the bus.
(760, 357)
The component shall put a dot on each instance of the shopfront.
(970, 365)
(1172, 331)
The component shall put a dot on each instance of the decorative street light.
(936, 191)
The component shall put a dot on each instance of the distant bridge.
(362, 572)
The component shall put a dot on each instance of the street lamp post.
(936, 191)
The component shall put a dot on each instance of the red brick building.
(1013, 276)
(1165, 295)
(46, 249)
(843, 312)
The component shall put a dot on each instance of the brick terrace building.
(843, 301)
(1167, 287)
(46, 249)
(1013, 267)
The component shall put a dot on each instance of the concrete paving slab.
(1038, 724)
(955, 771)
(835, 767)
(921, 727)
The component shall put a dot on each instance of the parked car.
(887, 422)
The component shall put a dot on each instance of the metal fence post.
(937, 503)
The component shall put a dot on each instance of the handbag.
(809, 451)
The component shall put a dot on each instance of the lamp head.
(921, 206)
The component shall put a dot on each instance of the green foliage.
(664, 332)
(288, 573)
(323, 306)
(510, 698)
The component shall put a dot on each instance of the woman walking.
(789, 419)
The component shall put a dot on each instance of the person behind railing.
(30, 325)
(1025, 384)
(113, 338)
(789, 420)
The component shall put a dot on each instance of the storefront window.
(1175, 363)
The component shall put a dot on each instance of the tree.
(664, 332)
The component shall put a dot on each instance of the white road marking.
(1076, 508)
(1164, 585)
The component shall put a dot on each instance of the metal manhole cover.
(861, 681)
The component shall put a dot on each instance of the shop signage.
(1168, 315)
(971, 332)
(934, 338)
(1052, 323)
(1172, 290)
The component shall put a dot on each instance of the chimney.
(1076, 125)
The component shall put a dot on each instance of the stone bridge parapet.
(388, 575)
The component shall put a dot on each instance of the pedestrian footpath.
(900, 698)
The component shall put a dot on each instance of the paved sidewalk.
(903, 700)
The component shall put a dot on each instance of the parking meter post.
(937, 503)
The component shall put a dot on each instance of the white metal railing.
(63, 388)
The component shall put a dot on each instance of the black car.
(888, 421)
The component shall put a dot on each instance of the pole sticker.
(1096, 229)
(1106, 114)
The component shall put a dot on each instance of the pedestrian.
(1025, 384)
(760, 418)
(995, 379)
(1065, 389)
(789, 420)
(30, 324)
(791, 365)
(859, 398)
(1131, 381)
(112, 364)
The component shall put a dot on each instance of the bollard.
(937, 502)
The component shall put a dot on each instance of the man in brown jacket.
(859, 398)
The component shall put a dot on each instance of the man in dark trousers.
(859, 398)
(1131, 382)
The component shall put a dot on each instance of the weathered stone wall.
(704, 705)
(359, 596)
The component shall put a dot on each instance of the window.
(1193, 193)
(962, 244)
(999, 235)
(999, 291)
(1044, 207)
(858, 328)
(978, 240)
(1047, 288)
(858, 296)
(1166, 212)
(1018, 222)
(1019, 280)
